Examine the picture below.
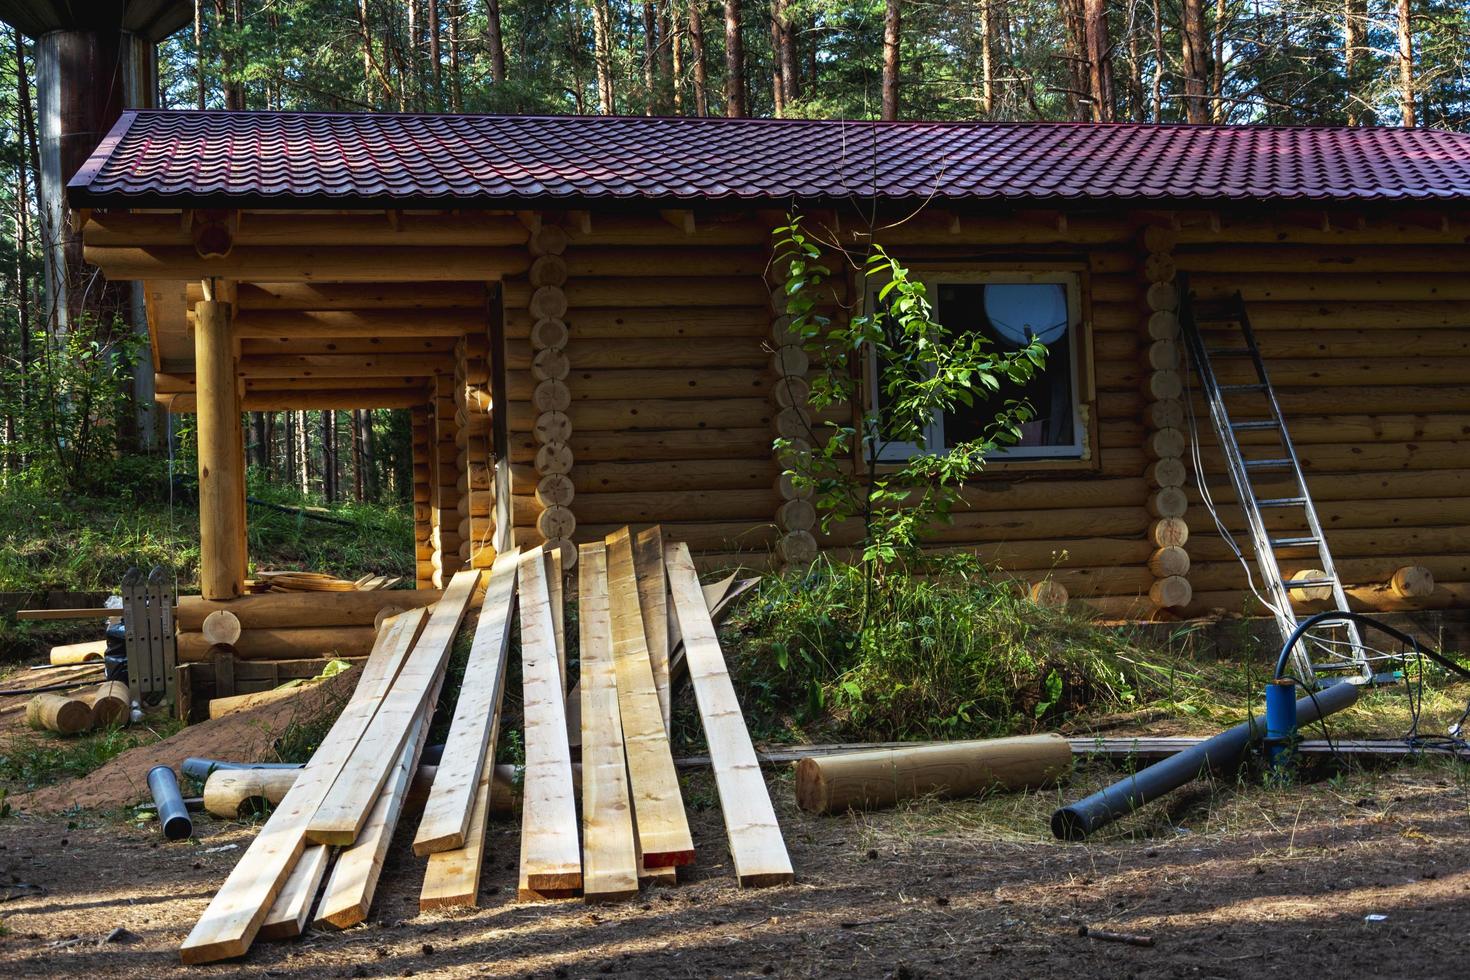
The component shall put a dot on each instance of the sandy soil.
(1228, 881)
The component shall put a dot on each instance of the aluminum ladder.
(1337, 651)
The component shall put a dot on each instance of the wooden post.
(221, 466)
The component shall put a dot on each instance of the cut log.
(284, 644)
(756, 846)
(1169, 532)
(348, 804)
(1048, 593)
(1316, 593)
(1167, 561)
(234, 916)
(1412, 582)
(446, 820)
(550, 852)
(58, 713)
(1171, 593)
(884, 777)
(610, 855)
(221, 626)
(219, 707)
(228, 791)
(110, 704)
(661, 826)
(78, 653)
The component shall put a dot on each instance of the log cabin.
(582, 315)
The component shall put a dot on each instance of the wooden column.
(1166, 442)
(472, 416)
(221, 456)
(423, 510)
(551, 397)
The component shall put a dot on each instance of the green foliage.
(947, 651)
(922, 368)
(40, 759)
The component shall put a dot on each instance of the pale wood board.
(756, 846)
(659, 820)
(292, 907)
(550, 852)
(610, 864)
(447, 812)
(554, 589)
(452, 877)
(349, 893)
(653, 603)
(229, 924)
(349, 802)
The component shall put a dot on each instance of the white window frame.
(902, 452)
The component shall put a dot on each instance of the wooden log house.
(583, 317)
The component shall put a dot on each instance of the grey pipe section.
(199, 769)
(173, 815)
(1223, 753)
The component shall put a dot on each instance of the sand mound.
(246, 736)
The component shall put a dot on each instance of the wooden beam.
(288, 915)
(311, 367)
(756, 845)
(230, 923)
(658, 808)
(349, 893)
(653, 603)
(221, 462)
(366, 323)
(680, 218)
(285, 610)
(470, 228)
(304, 263)
(349, 802)
(610, 854)
(446, 820)
(325, 296)
(550, 853)
(277, 401)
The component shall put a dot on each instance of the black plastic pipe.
(173, 813)
(1221, 754)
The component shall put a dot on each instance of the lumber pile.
(319, 856)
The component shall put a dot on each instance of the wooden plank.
(354, 880)
(288, 915)
(653, 602)
(550, 856)
(554, 589)
(658, 807)
(756, 845)
(349, 802)
(447, 812)
(230, 923)
(452, 877)
(610, 855)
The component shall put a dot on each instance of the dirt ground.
(1227, 880)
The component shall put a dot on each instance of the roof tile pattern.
(295, 159)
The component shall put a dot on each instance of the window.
(1010, 309)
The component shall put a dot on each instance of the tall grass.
(953, 651)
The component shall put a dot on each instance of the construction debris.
(632, 820)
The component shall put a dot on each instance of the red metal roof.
(172, 158)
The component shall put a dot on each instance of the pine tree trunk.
(734, 62)
(696, 52)
(602, 55)
(790, 56)
(1099, 60)
(675, 34)
(436, 70)
(1194, 61)
(650, 60)
(892, 30)
(303, 463)
(1354, 20)
(199, 89)
(987, 58)
(496, 43)
(1406, 64)
(665, 59)
(778, 89)
(1158, 86)
(1217, 77)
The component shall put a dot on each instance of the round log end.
(1049, 593)
(221, 626)
(1412, 582)
(811, 788)
(1319, 593)
(1171, 593)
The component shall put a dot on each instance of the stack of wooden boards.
(640, 603)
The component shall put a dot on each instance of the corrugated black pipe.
(1339, 614)
(1221, 754)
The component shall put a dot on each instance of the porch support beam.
(221, 454)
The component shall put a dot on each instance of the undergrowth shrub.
(950, 650)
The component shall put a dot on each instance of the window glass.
(1011, 315)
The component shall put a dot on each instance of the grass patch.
(39, 759)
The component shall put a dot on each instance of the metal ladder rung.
(1308, 583)
(1229, 352)
(1255, 425)
(1250, 387)
(1255, 464)
(1295, 542)
(1282, 502)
